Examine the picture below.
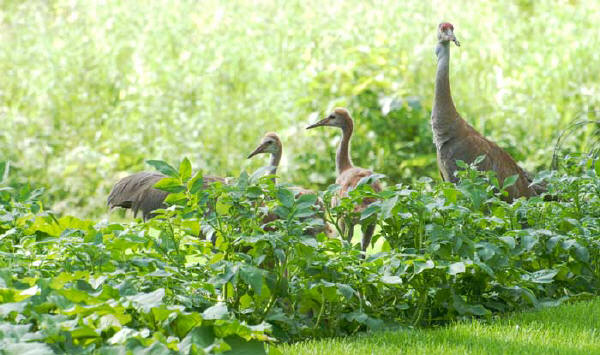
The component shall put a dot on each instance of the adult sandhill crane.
(456, 140)
(272, 144)
(348, 175)
(136, 192)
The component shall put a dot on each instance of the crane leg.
(367, 235)
(350, 233)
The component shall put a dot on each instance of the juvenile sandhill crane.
(348, 175)
(272, 144)
(456, 140)
(136, 192)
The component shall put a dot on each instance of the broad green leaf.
(581, 253)
(466, 309)
(185, 169)
(391, 279)
(201, 337)
(479, 159)
(169, 185)
(461, 164)
(387, 206)
(420, 266)
(185, 322)
(543, 276)
(306, 200)
(146, 301)
(84, 332)
(240, 346)
(253, 277)
(196, 183)
(510, 181)
(27, 348)
(163, 167)
(345, 290)
(286, 197)
(8, 308)
(282, 212)
(456, 268)
(369, 211)
(510, 241)
(176, 199)
(218, 311)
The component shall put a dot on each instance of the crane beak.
(322, 122)
(452, 38)
(258, 150)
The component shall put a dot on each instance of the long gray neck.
(342, 157)
(275, 159)
(444, 116)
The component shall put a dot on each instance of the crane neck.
(444, 118)
(443, 105)
(342, 158)
(275, 159)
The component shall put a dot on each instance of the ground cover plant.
(450, 252)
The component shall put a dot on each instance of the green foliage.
(90, 91)
(450, 252)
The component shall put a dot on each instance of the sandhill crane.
(456, 140)
(136, 192)
(348, 175)
(271, 144)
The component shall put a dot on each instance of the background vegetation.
(91, 89)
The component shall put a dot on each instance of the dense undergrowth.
(450, 252)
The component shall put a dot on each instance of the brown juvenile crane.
(272, 144)
(456, 140)
(348, 175)
(137, 192)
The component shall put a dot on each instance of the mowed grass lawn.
(567, 329)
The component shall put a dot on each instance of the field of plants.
(91, 90)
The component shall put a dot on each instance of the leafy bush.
(450, 252)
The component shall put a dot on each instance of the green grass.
(567, 329)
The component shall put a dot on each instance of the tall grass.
(90, 89)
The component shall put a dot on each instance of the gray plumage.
(137, 193)
(456, 140)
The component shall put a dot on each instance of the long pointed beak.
(318, 124)
(258, 150)
(452, 38)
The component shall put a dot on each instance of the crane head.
(446, 33)
(269, 144)
(339, 117)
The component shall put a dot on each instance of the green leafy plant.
(229, 267)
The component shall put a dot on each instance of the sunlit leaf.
(163, 167)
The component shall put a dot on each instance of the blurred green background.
(89, 90)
